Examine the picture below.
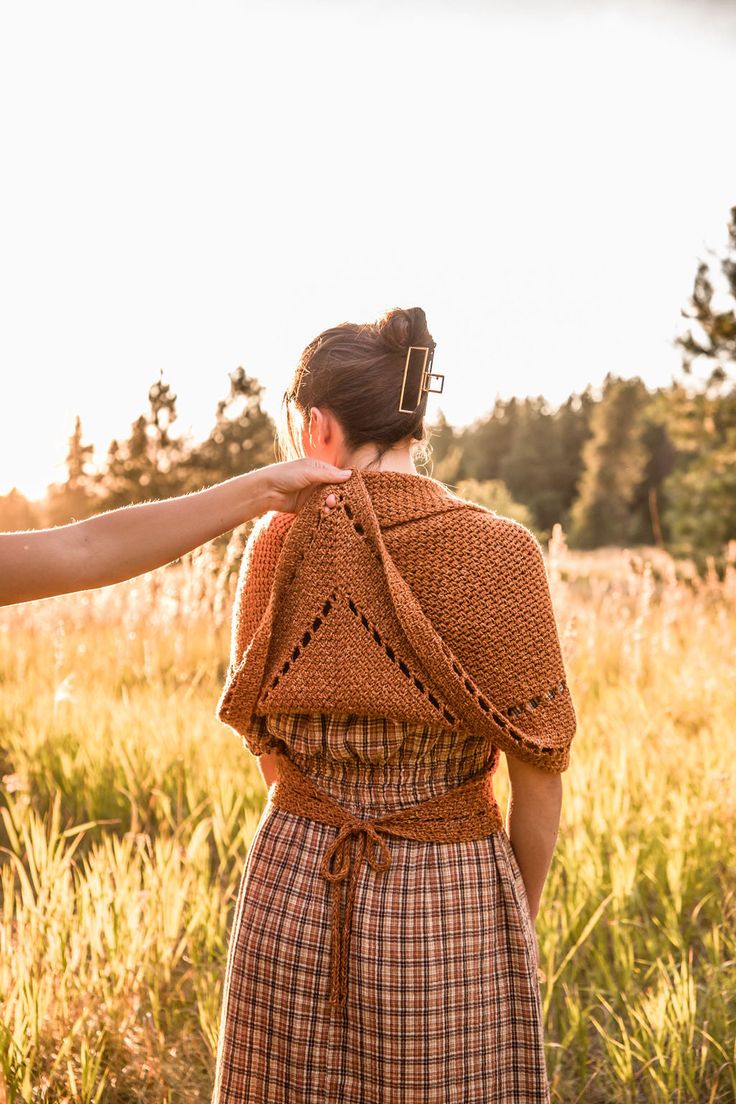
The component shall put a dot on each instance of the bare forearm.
(532, 824)
(269, 770)
(123, 543)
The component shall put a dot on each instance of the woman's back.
(388, 649)
(443, 1000)
(406, 602)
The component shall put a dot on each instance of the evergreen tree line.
(629, 466)
(153, 461)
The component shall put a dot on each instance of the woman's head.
(346, 388)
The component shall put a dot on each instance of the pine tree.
(529, 467)
(701, 491)
(714, 342)
(17, 513)
(614, 459)
(241, 439)
(445, 450)
(76, 498)
(152, 462)
(488, 440)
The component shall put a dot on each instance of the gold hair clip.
(426, 375)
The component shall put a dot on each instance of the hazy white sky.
(194, 186)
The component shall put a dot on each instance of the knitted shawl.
(405, 601)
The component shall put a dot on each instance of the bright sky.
(190, 187)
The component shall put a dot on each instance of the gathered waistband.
(465, 812)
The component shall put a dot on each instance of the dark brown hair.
(356, 371)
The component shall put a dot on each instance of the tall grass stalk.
(126, 812)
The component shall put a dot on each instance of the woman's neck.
(398, 460)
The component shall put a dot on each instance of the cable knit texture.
(405, 601)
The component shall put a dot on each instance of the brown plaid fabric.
(443, 1001)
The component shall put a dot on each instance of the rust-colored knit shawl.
(404, 601)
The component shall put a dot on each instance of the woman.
(134, 539)
(382, 658)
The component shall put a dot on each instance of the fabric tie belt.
(466, 812)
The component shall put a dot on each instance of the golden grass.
(127, 809)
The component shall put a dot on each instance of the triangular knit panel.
(337, 635)
(482, 577)
(332, 675)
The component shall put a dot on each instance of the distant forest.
(627, 466)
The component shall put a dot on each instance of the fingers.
(322, 472)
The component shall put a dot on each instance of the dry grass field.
(126, 811)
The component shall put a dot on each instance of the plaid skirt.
(443, 1003)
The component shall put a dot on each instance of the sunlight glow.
(194, 188)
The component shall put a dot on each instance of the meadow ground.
(127, 809)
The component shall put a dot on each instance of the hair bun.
(402, 327)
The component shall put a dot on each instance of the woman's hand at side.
(129, 541)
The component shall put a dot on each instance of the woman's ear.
(308, 433)
(324, 439)
(315, 426)
(321, 430)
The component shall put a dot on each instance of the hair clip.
(426, 376)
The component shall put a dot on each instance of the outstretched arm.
(129, 541)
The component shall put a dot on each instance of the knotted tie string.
(466, 812)
(340, 850)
